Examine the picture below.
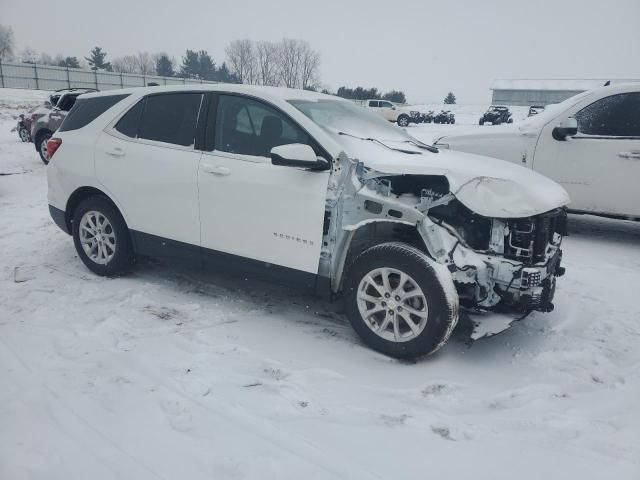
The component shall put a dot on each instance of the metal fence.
(47, 77)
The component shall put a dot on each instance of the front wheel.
(397, 301)
(101, 237)
(403, 120)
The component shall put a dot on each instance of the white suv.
(317, 190)
(590, 144)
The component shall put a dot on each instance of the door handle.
(633, 154)
(116, 152)
(216, 170)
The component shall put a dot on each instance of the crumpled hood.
(487, 186)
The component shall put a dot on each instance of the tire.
(481, 122)
(437, 312)
(114, 254)
(42, 138)
(453, 121)
(24, 135)
(403, 120)
(510, 120)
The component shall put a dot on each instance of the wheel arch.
(82, 193)
(369, 234)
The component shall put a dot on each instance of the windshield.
(337, 116)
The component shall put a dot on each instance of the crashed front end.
(497, 263)
(500, 264)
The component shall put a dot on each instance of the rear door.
(600, 166)
(248, 206)
(148, 162)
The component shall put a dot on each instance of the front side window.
(170, 118)
(614, 116)
(248, 127)
(385, 104)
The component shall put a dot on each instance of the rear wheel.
(24, 134)
(101, 237)
(41, 141)
(397, 303)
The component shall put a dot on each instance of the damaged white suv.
(311, 188)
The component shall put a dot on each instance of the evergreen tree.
(70, 62)
(97, 60)
(450, 99)
(395, 96)
(225, 76)
(207, 67)
(164, 66)
(190, 67)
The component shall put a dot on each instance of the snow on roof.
(573, 85)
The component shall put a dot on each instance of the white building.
(521, 92)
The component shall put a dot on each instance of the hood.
(487, 186)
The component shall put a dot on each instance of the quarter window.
(86, 110)
(249, 127)
(170, 118)
(128, 124)
(614, 116)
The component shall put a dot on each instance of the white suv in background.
(590, 144)
(388, 111)
(317, 190)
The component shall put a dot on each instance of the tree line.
(288, 62)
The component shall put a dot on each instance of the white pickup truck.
(590, 144)
(388, 111)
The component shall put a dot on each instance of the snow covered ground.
(172, 373)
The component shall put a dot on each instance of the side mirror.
(567, 128)
(47, 104)
(393, 108)
(298, 155)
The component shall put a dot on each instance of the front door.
(249, 207)
(600, 166)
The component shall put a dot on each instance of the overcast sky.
(425, 48)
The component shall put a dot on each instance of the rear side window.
(170, 118)
(86, 110)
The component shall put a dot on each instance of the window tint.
(87, 110)
(66, 102)
(385, 104)
(614, 116)
(170, 118)
(128, 124)
(249, 127)
(374, 103)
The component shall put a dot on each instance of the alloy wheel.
(392, 304)
(97, 237)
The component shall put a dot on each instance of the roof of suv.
(280, 93)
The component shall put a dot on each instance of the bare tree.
(28, 55)
(289, 59)
(144, 63)
(6, 43)
(126, 64)
(309, 66)
(267, 55)
(241, 57)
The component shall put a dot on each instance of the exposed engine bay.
(498, 264)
